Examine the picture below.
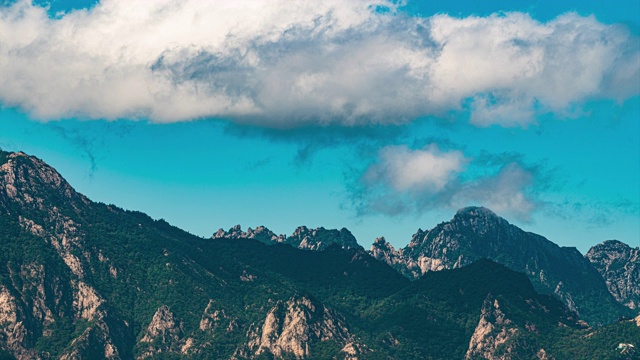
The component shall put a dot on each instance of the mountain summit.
(85, 280)
(476, 232)
(302, 238)
(619, 264)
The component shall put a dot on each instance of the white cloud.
(403, 169)
(284, 64)
(404, 181)
(505, 193)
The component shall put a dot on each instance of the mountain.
(261, 234)
(551, 268)
(85, 280)
(302, 238)
(619, 264)
(385, 252)
(475, 233)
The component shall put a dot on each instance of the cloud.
(403, 181)
(83, 143)
(414, 170)
(283, 64)
(507, 192)
(594, 214)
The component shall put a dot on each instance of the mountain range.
(86, 280)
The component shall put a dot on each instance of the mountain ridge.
(86, 280)
(476, 232)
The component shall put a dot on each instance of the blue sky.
(335, 114)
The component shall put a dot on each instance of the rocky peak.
(302, 237)
(381, 243)
(619, 265)
(475, 211)
(321, 238)
(235, 232)
(479, 219)
(301, 231)
(417, 238)
(477, 232)
(32, 183)
(382, 251)
(261, 233)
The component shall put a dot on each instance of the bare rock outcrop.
(260, 233)
(163, 334)
(320, 238)
(475, 233)
(211, 317)
(492, 332)
(302, 237)
(619, 265)
(14, 335)
(386, 253)
(294, 326)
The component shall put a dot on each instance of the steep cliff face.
(382, 251)
(78, 275)
(83, 280)
(619, 265)
(44, 293)
(296, 326)
(491, 337)
(14, 335)
(164, 334)
(475, 233)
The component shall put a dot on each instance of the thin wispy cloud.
(287, 64)
(404, 181)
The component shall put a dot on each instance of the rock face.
(492, 333)
(84, 280)
(382, 251)
(163, 334)
(46, 286)
(294, 326)
(302, 238)
(476, 232)
(260, 233)
(212, 317)
(619, 265)
(321, 238)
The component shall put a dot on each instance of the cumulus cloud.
(507, 192)
(287, 64)
(414, 170)
(404, 181)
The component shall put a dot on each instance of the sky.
(381, 117)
